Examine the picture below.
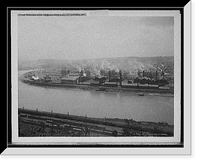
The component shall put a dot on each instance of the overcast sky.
(73, 37)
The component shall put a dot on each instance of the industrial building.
(63, 72)
(133, 85)
(70, 80)
(47, 78)
(116, 79)
(111, 84)
(74, 74)
(94, 83)
(146, 80)
(87, 74)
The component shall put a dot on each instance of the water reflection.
(108, 94)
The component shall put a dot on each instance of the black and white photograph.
(97, 77)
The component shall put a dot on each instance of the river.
(97, 104)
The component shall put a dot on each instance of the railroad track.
(66, 126)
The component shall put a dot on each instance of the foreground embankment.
(42, 123)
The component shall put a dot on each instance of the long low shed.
(110, 84)
(141, 86)
(69, 80)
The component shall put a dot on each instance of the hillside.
(128, 64)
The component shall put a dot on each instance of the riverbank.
(42, 123)
(162, 92)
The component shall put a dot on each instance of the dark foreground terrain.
(34, 123)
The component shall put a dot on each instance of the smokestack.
(81, 73)
(109, 75)
(162, 73)
(138, 73)
(156, 75)
(150, 74)
(120, 78)
(143, 73)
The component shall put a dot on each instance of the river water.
(97, 104)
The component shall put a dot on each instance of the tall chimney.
(143, 73)
(138, 73)
(81, 73)
(150, 74)
(109, 75)
(162, 73)
(156, 75)
(120, 78)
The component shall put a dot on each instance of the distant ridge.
(116, 63)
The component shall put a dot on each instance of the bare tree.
(86, 130)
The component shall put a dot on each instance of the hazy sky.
(71, 37)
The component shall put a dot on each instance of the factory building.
(100, 79)
(133, 85)
(70, 80)
(82, 73)
(87, 74)
(63, 72)
(144, 80)
(83, 79)
(116, 79)
(74, 74)
(47, 78)
(149, 81)
(94, 83)
(111, 84)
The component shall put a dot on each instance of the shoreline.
(169, 93)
